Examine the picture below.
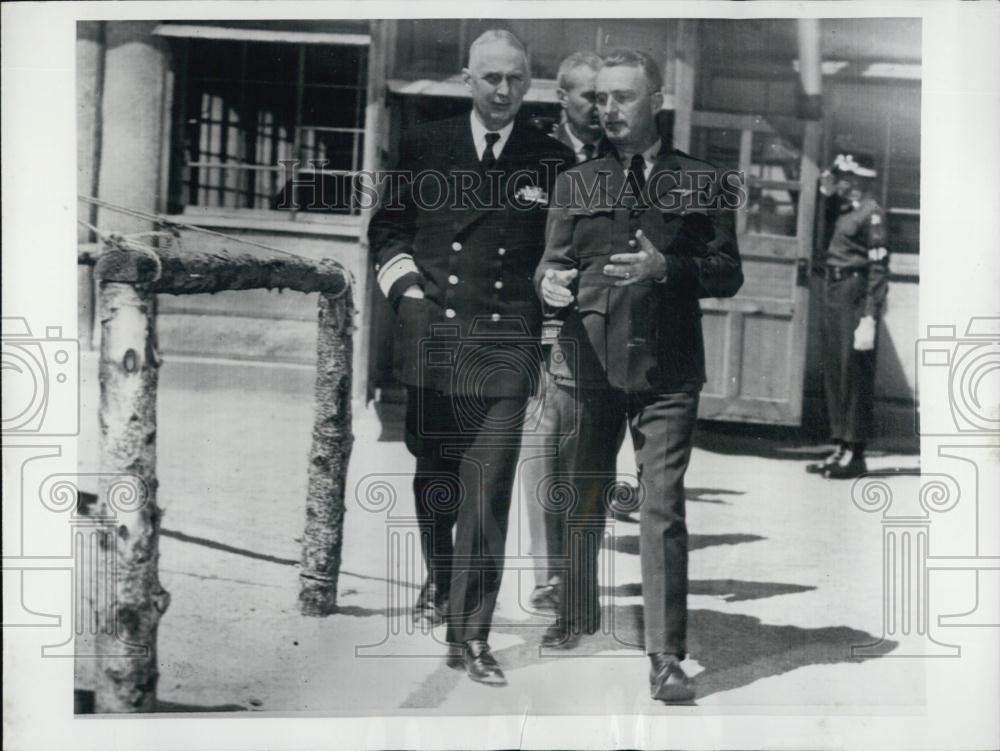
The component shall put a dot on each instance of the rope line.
(160, 219)
(130, 240)
(92, 228)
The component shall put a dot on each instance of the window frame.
(266, 219)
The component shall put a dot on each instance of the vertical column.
(375, 146)
(89, 93)
(322, 540)
(133, 123)
(685, 67)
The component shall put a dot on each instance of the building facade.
(256, 131)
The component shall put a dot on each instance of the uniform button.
(501, 251)
(498, 285)
(452, 279)
(456, 246)
(449, 313)
(495, 317)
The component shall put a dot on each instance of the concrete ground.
(786, 575)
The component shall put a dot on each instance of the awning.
(195, 31)
(542, 90)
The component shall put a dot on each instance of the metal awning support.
(810, 69)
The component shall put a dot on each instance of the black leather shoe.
(855, 467)
(818, 468)
(667, 680)
(431, 606)
(545, 597)
(559, 636)
(479, 664)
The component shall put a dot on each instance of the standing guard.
(857, 280)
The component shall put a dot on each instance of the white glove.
(864, 335)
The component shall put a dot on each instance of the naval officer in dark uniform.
(857, 280)
(633, 240)
(455, 244)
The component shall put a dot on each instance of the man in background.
(540, 466)
(857, 281)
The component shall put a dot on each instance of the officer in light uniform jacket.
(541, 470)
(630, 248)
(857, 275)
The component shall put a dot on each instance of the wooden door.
(755, 343)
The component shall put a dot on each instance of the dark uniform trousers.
(848, 375)
(462, 346)
(857, 274)
(639, 357)
(466, 460)
(662, 429)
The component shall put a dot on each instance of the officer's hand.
(864, 335)
(555, 287)
(413, 291)
(647, 264)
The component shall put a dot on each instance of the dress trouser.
(662, 428)
(466, 459)
(545, 477)
(848, 375)
(538, 462)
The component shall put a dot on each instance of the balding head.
(498, 77)
(493, 37)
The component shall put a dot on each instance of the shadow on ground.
(630, 543)
(782, 442)
(735, 650)
(706, 495)
(730, 590)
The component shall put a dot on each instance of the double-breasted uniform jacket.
(473, 251)
(644, 337)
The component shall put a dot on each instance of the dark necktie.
(637, 170)
(489, 159)
(588, 152)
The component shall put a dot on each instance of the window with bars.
(271, 126)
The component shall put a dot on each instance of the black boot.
(851, 464)
(818, 468)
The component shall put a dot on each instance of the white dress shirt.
(648, 156)
(577, 145)
(479, 132)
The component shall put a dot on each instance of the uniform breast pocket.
(591, 231)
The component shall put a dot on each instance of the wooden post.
(328, 459)
(128, 378)
(129, 275)
(685, 71)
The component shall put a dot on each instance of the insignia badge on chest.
(532, 194)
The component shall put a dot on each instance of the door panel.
(755, 342)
